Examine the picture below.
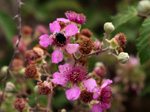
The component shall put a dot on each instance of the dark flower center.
(86, 96)
(60, 38)
(75, 77)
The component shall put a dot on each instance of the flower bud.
(4, 69)
(36, 89)
(144, 7)
(10, 86)
(123, 57)
(109, 27)
(100, 70)
(97, 44)
(63, 110)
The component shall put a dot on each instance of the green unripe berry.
(4, 69)
(123, 57)
(36, 89)
(109, 27)
(144, 7)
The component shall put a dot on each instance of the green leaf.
(124, 17)
(8, 26)
(143, 43)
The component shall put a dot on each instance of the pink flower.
(74, 75)
(63, 20)
(60, 40)
(75, 17)
(105, 94)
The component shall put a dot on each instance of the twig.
(143, 16)
(93, 53)
(110, 53)
(15, 51)
(49, 102)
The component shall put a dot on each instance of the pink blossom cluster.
(74, 76)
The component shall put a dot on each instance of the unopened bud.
(109, 27)
(97, 45)
(63, 110)
(123, 57)
(100, 69)
(144, 7)
(10, 86)
(4, 69)
(36, 89)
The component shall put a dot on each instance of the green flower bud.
(144, 7)
(109, 27)
(4, 69)
(10, 86)
(36, 89)
(123, 57)
(98, 64)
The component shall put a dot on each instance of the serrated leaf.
(143, 43)
(124, 17)
(8, 26)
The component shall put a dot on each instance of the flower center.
(60, 38)
(75, 77)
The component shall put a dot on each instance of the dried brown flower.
(45, 88)
(31, 56)
(121, 39)
(27, 31)
(86, 32)
(86, 46)
(31, 72)
(17, 64)
(20, 104)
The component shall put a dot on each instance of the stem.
(49, 102)
(15, 51)
(143, 16)
(93, 53)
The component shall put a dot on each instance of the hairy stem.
(15, 51)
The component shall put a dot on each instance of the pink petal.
(57, 56)
(105, 106)
(90, 84)
(45, 40)
(72, 48)
(96, 93)
(63, 20)
(54, 27)
(107, 82)
(73, 93)
(71, 30)
(64, 69)
(59, 79)
(96, 108)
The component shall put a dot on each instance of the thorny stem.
(143, 16)
(15, 51)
